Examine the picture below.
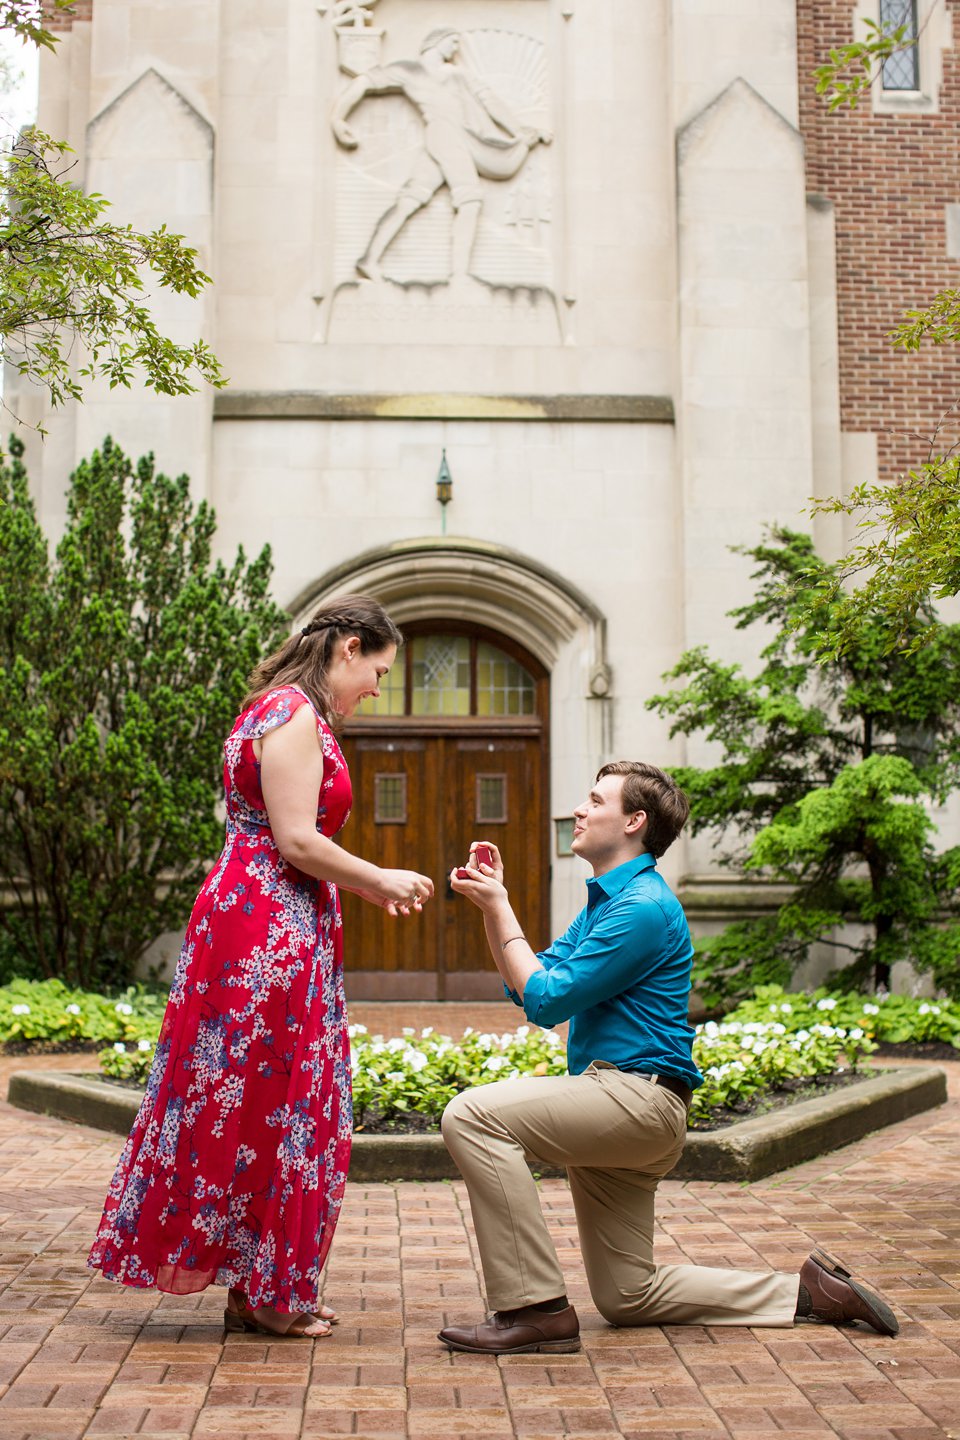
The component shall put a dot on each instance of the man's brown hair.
(647, 788)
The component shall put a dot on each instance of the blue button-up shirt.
(621, 976)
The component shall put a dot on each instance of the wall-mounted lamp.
(444, 482)
(444, 490)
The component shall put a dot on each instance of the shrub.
(122, 666)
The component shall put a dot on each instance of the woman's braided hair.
(304, 659)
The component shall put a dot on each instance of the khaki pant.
(617, 1135)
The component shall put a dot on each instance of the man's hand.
(484, 887)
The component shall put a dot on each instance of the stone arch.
(474, 582)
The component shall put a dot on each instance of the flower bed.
(415, 1075)
(767, 1045)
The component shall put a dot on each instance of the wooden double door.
(422, 792)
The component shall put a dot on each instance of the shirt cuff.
(533, 995)
(512, 995)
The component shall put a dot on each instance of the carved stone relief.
(443, 206)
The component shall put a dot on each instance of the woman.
(235, 1168)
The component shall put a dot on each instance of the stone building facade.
(609, 263)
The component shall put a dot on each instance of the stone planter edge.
(746, 1151)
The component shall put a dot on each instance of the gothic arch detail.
(473, 582)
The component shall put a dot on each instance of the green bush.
(50, 1012)
(123, 661)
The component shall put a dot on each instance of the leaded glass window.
(503, 686)
(901, 70)
(390, 799)
(441, 675)
(455, 676)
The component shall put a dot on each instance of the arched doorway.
(456, 748)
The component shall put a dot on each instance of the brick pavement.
(81, 1358)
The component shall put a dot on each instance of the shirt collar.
(620, 876)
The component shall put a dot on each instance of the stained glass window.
(455, 676)
(503, 686)
(441, 675)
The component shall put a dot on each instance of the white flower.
(395, 1075)
(802, 1035)
(120, 1048)
(856, 1034)
(73, 1009)
(496, 1062)
(408, 1030)
(826, 1003)
(415, 1059)
(356, 1030)
(144, 1045)
(20, 1009)
(122, 1009)
(779, 1029)
(924, 1010)
(786, 1009)
(934, 1009)
(871, 1009)
(425, 1034)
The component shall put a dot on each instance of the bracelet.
(505, 943)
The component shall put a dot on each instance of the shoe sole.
(887, 1322)
(546, 1347)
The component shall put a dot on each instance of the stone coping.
(321, 405)
(748, 1150)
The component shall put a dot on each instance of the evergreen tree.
(122, 665)
(823, 782)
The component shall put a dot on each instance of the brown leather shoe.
(837, 1299)
(518, 1332)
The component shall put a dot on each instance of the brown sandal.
(239, 1316)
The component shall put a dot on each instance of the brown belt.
(674, 1085)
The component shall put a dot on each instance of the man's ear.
(636, 823)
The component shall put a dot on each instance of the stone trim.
(745, 1151)
(476, 582)
(319, 405)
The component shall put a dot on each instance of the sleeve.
(276, 709)
(619, 950)
(561, 949)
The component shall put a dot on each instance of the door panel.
(372, 938)
(451, 782)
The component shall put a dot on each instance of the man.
(468, 132)
(621, 976)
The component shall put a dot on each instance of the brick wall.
(889, 177)
(82, 10)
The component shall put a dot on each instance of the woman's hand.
(400, 891)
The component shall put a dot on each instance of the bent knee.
(620, 1307)
(617, 1311)
(459, 1111)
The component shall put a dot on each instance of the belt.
(671, 1083)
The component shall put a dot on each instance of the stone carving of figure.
(468, 132)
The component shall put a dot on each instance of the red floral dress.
(235, 1168)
